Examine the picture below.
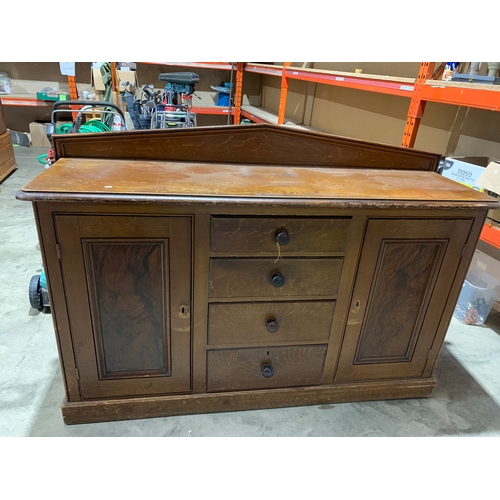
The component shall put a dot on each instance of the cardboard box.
(38, 133)
(97, 79)
(125, 76)
(490, 177)
(489, 180)
(121, 75)
(464, 170)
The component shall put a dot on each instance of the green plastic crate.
(42, 96)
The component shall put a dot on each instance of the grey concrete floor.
(465, 401)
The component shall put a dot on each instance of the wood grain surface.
(128, 302)
(259, 234)
(240, 278)
(163, 406)
(96, 177)
(7, 159)
(406, 272)
(240, 369)
(127, 290)
(242, 323)
(3, 127)
(259, 144)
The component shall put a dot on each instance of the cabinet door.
(405, 274)
(128, 290)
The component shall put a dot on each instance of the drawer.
(269, 322)
(259, 234)
(264, 367)
(267, 278)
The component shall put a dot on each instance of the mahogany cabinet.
(231, 268)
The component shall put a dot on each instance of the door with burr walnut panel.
(405, 274)
(127, 282)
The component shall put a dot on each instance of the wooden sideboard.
(231, 268)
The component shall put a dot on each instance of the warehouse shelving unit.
(31, 100)
(419, 90)
(382, 84)
(444, 92)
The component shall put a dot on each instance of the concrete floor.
(465, 401)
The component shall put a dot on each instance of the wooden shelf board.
(262, 115)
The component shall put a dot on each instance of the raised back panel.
(255, 144)
(126, 285)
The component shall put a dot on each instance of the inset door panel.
(133, 336)
(405, 274)
(127, 286)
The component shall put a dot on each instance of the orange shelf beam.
(24, 101)
(238, 95)
(263, 69)
(417, 106)
(283, 95)
(403, 89)
(207, 65)
(462, 96)
(491, 235)
(221, 110)
(399, 88)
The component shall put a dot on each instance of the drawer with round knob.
(266, 323)
(254, 277)
(261, 234)
(264, 367)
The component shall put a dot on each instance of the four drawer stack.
(273, 284)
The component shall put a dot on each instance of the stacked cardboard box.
(38, 132)
(489, 180)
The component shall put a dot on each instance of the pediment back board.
(260, 144)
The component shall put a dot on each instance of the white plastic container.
(479, 293)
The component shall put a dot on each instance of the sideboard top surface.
(126, 179)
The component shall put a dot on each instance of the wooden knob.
(282, 237)
(272, 325)
(267, 370)
(278, 280)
